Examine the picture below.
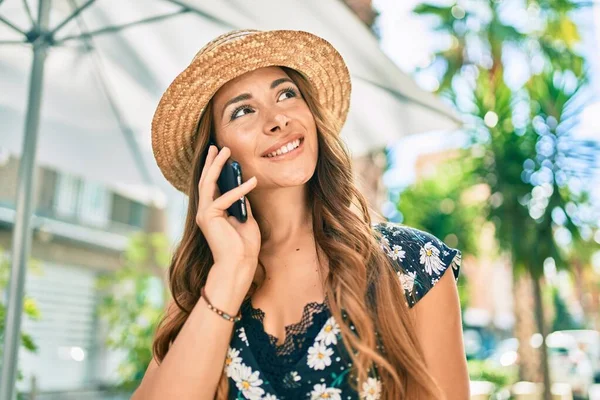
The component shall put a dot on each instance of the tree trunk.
(594, 299)
(541, 327)
(525, 327)
(586, 292)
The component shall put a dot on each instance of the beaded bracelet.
(223, 314)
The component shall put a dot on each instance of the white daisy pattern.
(407, 280)
(248, 382)
(456, 261)
(242, 335)
(430, 258)
(321, 391)
(384, 242)
(319, 356)
(397, 253)
(329, 333)
(419, 260)
(232, 360)
(371, 389)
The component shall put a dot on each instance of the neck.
(285, 221)
(283, 215)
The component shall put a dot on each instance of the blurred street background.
(475, 120)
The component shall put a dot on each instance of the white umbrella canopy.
(89, 90)
(79, 129)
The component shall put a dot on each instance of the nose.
(277, 122)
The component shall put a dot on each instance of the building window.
(48, 189)
(137, 216)
(85, 201)
(127, 211)
(94, 204)
(67, 193)
(65, 333)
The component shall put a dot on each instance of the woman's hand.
(234, 245)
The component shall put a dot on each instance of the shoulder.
(419, 257)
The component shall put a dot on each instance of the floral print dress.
(312, 363)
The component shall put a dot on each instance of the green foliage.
(30, 309)
(482, 370)
(132, 303)
(438, 205)
(501, 377)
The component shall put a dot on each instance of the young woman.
(307, 299)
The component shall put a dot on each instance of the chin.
(292, 181)
(295, 177)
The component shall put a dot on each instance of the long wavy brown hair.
(361, 281)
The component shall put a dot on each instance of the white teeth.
(285, 148)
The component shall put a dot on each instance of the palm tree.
(528, 156)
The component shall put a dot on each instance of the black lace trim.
(277, 361)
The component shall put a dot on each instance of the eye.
(290, 92)
(237, 112)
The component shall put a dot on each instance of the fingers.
(212, 174)
(230, 197)
(208, 182)
(210, 156)
(209, 195)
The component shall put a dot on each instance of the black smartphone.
(229, 178)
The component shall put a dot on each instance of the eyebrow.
(248, 96)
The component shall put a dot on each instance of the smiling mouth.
(291, 147)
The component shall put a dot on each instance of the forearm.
(194, 363)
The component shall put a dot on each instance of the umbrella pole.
(24, 204)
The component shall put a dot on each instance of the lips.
(283, 141)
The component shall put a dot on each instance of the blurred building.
(363, 10)
(80, 229)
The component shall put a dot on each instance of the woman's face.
(262, 117)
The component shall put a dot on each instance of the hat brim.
(176, 118)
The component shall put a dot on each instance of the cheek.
(239, 137)
(249, 168)
(311, 132)
(248, 161)
(242, 150)
(308, 120)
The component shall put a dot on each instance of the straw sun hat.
(226, 57)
